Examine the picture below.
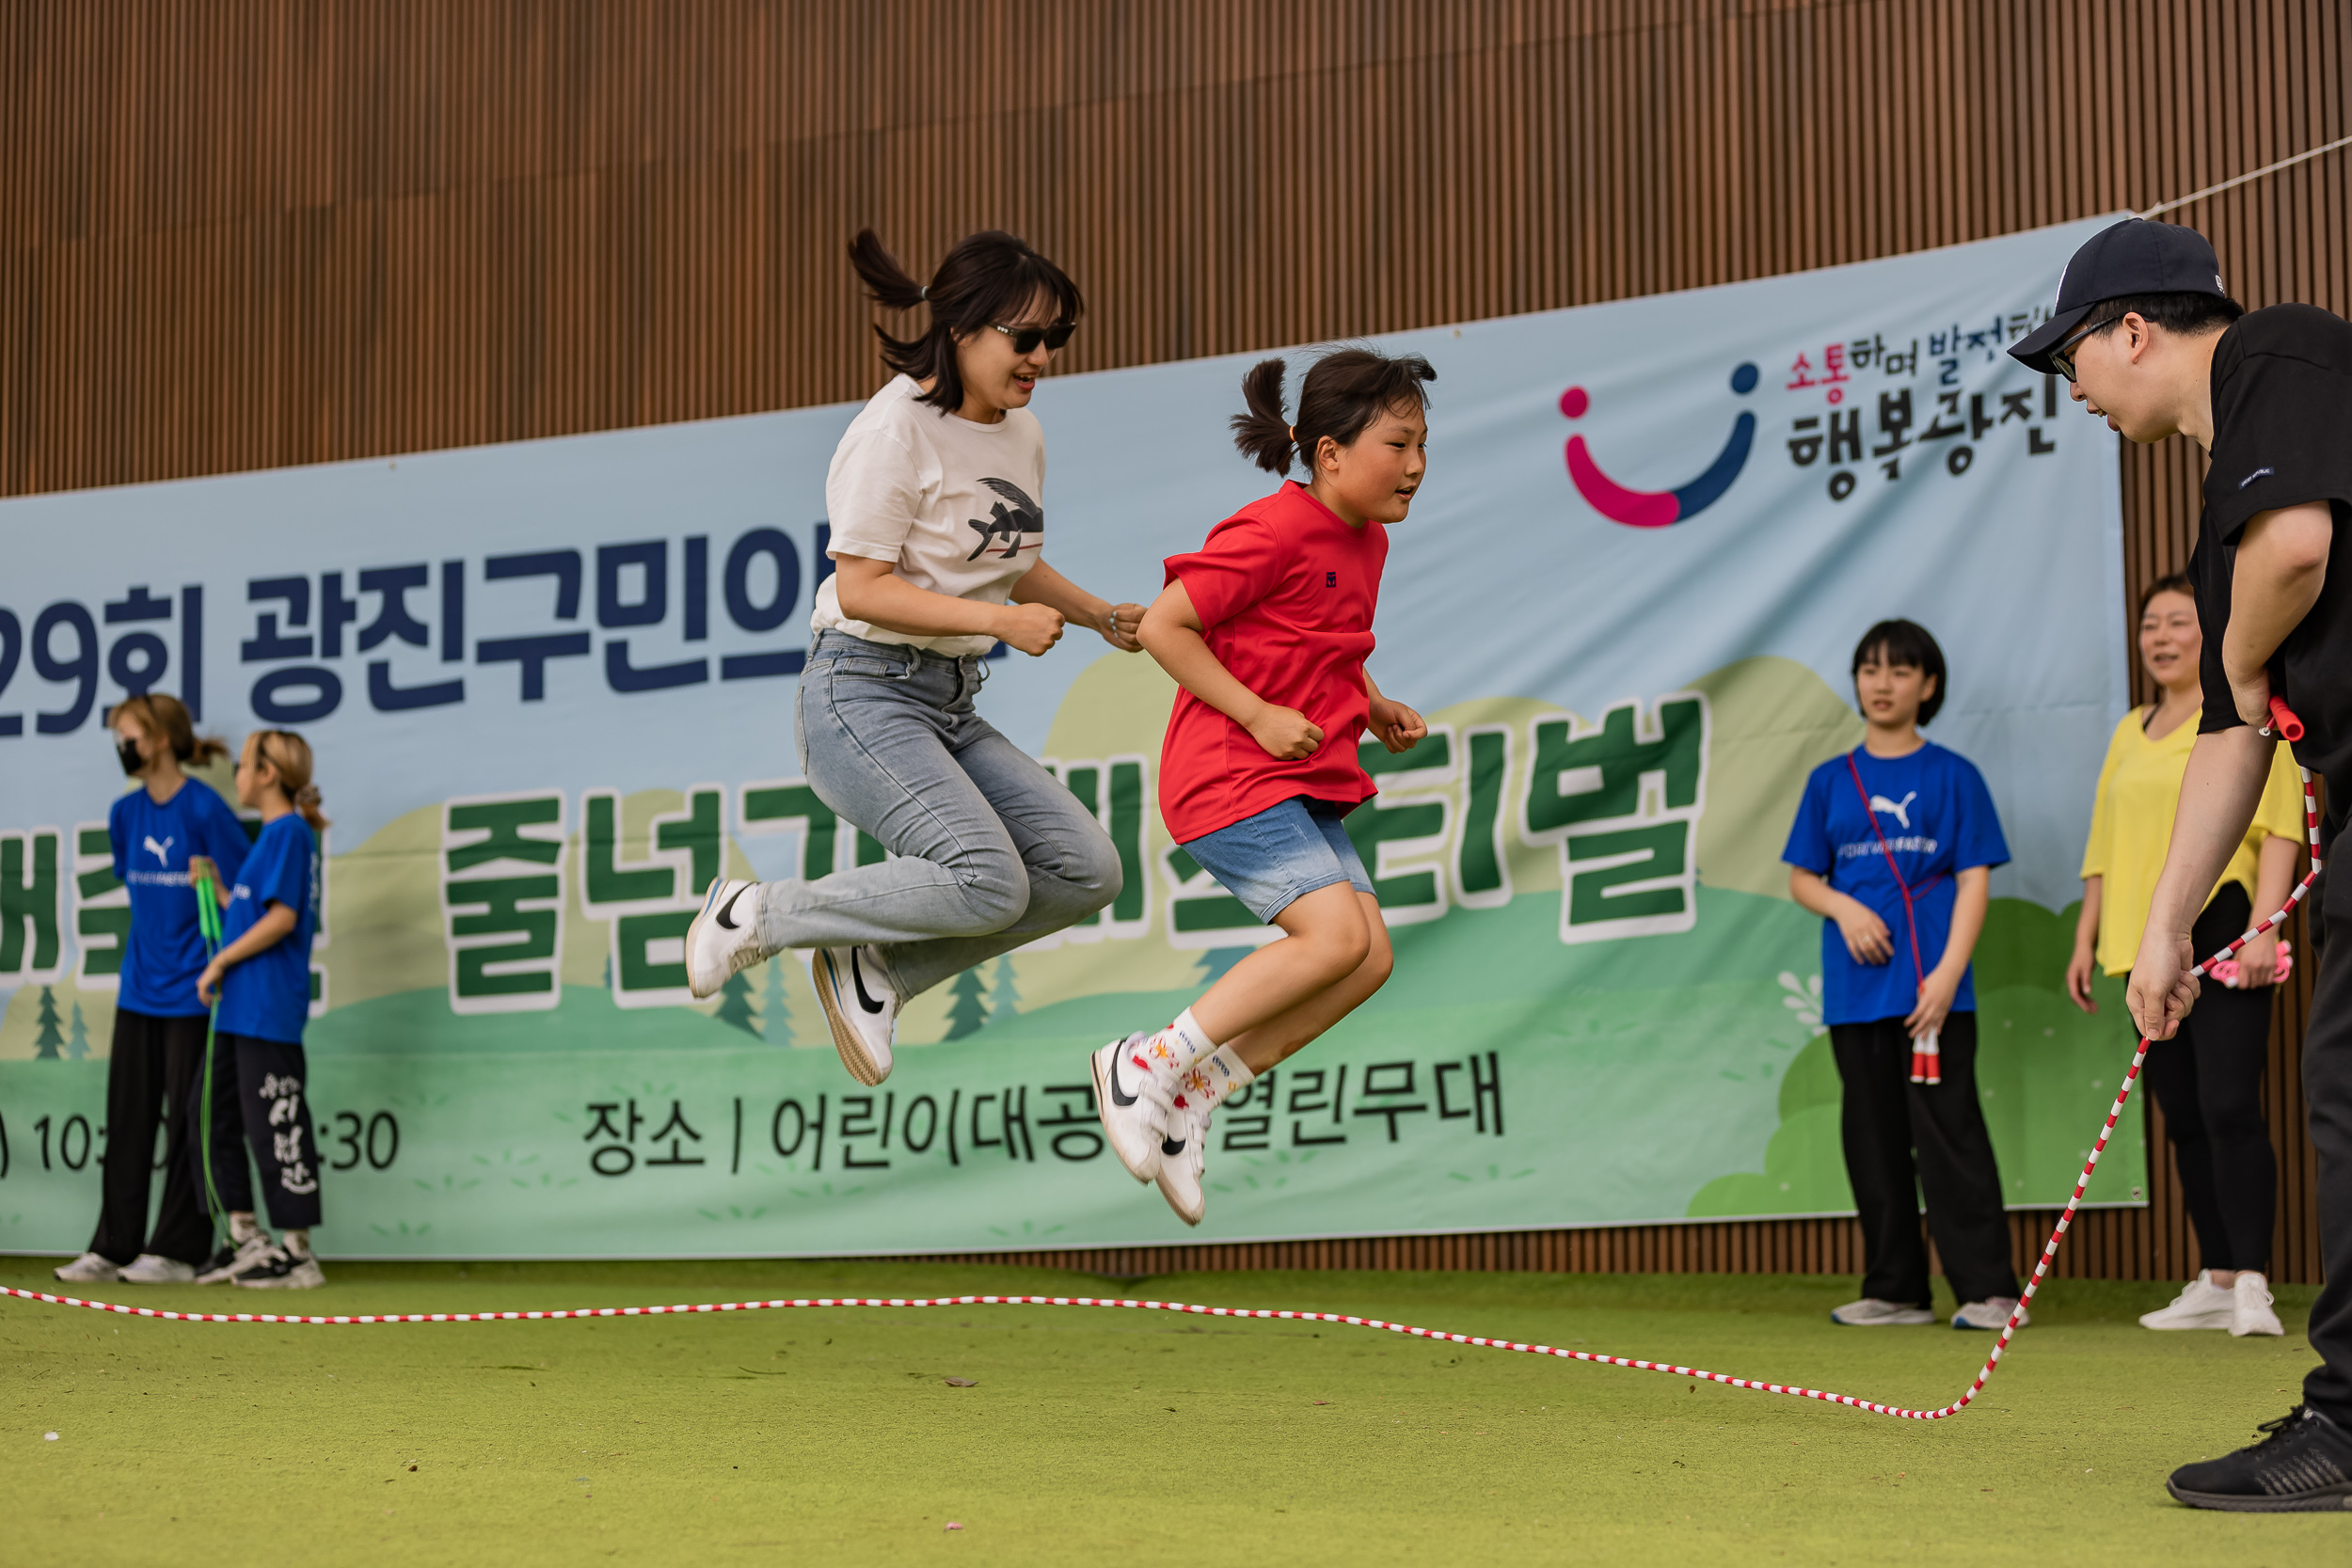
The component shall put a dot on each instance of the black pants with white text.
(1905, 1141)
(260, 1101)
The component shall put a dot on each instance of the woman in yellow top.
(2208, 1077)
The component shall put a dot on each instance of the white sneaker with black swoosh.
(861, 1008)
(724, 936)
(1134, 1104)
(1184, 1159)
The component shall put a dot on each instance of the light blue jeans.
(993, 851)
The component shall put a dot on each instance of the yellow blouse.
(2131, 827)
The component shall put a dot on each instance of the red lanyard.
(1925, 1057)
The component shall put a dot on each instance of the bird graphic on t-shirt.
(161, 857)
(1899, 811)
(1007, 523)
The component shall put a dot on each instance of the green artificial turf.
(1100, 1436)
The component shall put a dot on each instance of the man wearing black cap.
(2151, 340)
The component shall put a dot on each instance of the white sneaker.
(2201, 1304)
(1991, 1313)
(222, 1266)
(88, 1269)
(847, 980)
(2251, 1306)
(149, 1268)
(724, 936)
(1134, 1105)
(1870, 1312)
(1183, 1155)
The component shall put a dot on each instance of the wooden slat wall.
(264, 233)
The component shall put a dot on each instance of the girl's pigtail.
(209, 747)
(1262, 433)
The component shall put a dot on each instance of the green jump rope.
(208, 925)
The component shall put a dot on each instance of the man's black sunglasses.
(2062, 356)
(1025, 339)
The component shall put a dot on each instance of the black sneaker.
(222, 1266)
(279, 1270)
(2304, 1466)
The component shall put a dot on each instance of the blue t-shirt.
(268, 997)
(152, 846)
(1938, 821)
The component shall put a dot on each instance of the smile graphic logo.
(1659, 508)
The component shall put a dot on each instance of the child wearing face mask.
(156, 830)
(1266, 629)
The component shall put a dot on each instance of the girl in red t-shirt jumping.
(1266, 628)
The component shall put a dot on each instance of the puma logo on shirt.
(1899, 810)
(161, 851)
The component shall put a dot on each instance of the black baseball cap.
(2134, 257)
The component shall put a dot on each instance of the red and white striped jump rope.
(2283, 723)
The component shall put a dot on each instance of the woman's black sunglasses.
(1025, 339)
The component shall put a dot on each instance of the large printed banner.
(551, 686)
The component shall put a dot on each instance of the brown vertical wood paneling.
(279, 231)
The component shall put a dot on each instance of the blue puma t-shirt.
(151, 845)
(267, 997)
(1937, 819)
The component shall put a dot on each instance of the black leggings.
(2208, 1078)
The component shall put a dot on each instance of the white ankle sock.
(241, 1229)
(1209, 1081)
(1177, 1047)
(299, 1243)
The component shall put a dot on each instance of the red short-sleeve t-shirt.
(1285, 593)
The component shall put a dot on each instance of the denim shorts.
(1272, 860)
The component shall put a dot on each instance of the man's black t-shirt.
(2282, 435)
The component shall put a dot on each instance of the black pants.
(2209, 1080)
(2327, 1097)
(1886, 1118)
(149, 1078)
(258, 1097)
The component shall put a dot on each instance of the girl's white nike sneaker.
(1133, 1103)
(1183, 1154)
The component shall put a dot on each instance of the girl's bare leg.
(1268, 1043)
(1326, 939)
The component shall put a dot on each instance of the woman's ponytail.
(989, 278)
(880, 270)
(1264, 434)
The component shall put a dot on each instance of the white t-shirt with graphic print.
(955, 507)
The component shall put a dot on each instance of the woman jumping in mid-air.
(935, 499)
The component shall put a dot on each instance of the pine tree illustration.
(775, 1021)
(50, 1038)
(968, 1013)
(734, 1005)
(77, 1037)
(1003, 1001)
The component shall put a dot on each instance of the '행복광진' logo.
(1660, 508)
